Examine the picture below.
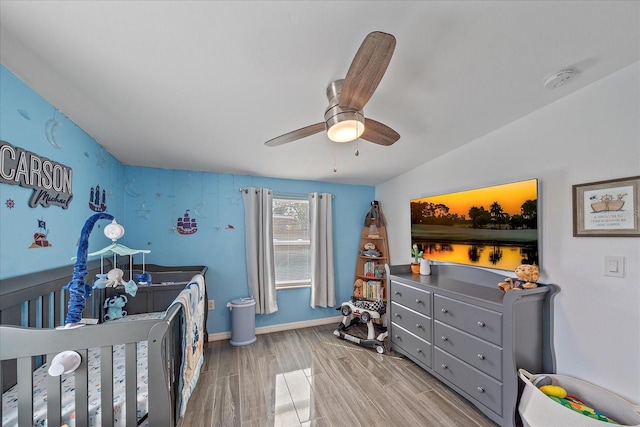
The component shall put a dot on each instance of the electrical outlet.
(211, 305)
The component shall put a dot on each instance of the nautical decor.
(186, 224)
(51, 181)
(40, 237)
(97, 200)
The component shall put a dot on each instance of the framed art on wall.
(607, 208)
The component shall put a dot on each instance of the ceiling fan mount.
(343, 118)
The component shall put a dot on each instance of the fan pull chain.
(335, 160)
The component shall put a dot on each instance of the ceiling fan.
(343, 118)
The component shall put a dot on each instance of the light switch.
(614, 266)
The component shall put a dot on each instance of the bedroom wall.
(148, 202)
(590, 135)
(23, 117)
(155, 198)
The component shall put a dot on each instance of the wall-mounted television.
(492, 227)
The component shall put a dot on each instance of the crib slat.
(106, 385)
(53, 397)
(25, 391)
(81, 378)
(131, 383)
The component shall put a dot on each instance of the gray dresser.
(460, 327)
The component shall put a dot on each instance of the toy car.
(361, 311)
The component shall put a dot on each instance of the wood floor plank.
(310, 378)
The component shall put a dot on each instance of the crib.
(132, 371)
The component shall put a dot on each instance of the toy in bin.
(357, 311)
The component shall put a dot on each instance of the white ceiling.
(202, 85)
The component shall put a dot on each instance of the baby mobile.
(79, 291)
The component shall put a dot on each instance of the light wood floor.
(308, 377)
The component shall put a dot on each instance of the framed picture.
(607, 208)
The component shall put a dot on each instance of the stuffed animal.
(357, 289)
(114, 305)
(526, 277)
(143, 278)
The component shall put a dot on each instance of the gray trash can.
(243, 321)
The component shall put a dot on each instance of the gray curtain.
(258, 225)
(323, 287)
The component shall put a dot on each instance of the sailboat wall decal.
(186, 225)
(97, 200)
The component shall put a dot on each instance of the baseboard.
(281, 327)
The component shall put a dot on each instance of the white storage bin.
(538, 410)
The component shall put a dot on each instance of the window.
(291, 243)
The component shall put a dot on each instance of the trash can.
(243, 321)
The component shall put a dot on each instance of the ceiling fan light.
(345, 131)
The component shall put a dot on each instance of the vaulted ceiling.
(201, 85)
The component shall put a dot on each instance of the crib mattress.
(10, 397)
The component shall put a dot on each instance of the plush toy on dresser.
(526, 277)
(114, 305)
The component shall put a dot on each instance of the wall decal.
(24, 114)
(97, 200)
(199, 210)
(51, 181)
(10, 203)
(50, 128)
(186, 225)
(40, 237)
(143, 212)
(100, 159)
(128, 188)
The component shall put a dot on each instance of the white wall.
(591, 135)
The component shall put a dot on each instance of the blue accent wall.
(148, 202)
(23, 117)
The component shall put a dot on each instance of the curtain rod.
(285, 194)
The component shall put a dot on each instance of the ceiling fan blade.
(366, 70)
(378, 133)
(296, 134)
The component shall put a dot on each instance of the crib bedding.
(10, 397)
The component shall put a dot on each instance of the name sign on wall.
(50, 181)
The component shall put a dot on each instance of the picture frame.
(607, 208)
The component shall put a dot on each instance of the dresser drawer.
(483, 323)
(476, 352)
(415, 299)
(416, 347)
(411, 320)
(477, 385)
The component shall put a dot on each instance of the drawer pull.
(397, 336)
(444, 366)
(397, 293)
(418, 301)
(396, 315)
(480, 356)
(418, 325)
(445, 338)
(419, 350)
(444, 310)
(481, 324)
(480, 389)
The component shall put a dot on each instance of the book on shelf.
(372, 290)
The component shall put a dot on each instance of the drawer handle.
(397, 336)
(444, 366)
(397, 315)
(444, 310)
(397, 293)
(481, 324)
(418, 325)
(480, 389)
(419, 350)
(444, 338)
(418, 301)
(480, 356)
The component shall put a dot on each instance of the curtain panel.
(258, 224)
